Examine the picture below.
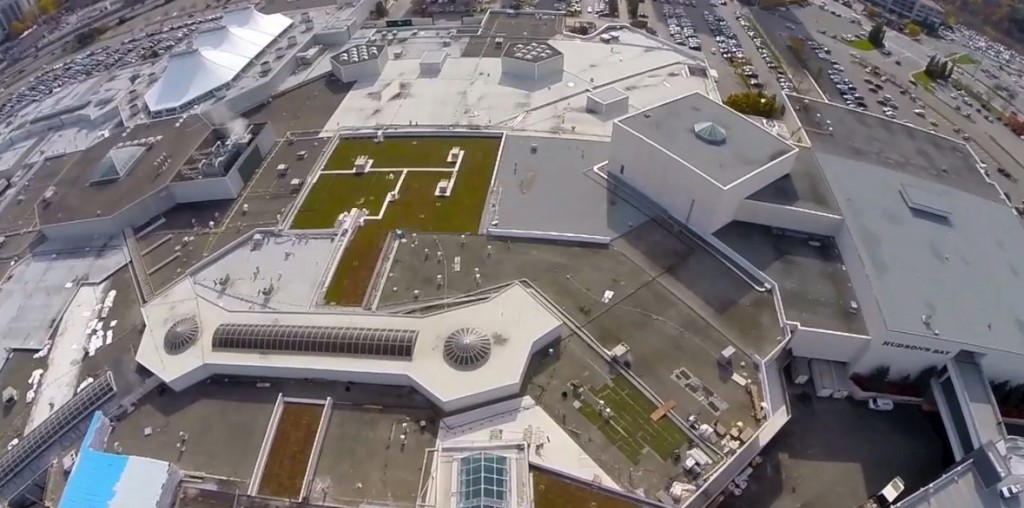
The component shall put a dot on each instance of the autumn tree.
(754, 103)
(17, 28)
(47, 7)
(380, 10)
(913, 31)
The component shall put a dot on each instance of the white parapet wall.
(261, 459)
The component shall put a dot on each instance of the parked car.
(880, 404)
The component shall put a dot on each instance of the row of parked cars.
(680, 28)
(139, 48)
(762, 49)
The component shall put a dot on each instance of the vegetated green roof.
(395, 152)
(631, 428)
(415, 210)
(551, 491)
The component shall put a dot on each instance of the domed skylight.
(709, 132)
(467, 348)
(181, 335)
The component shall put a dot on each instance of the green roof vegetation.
(550, 491)
(394, 153)
(630, 428)
(335, 193)
(415, 210)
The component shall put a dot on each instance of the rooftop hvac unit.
(133, 93)
(374, 51)
(292, 40)
(308, 25)
(279, 52)
(265, 67)
(305, 17)
(133, 108)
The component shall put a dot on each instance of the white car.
(919, 112)
(879, 404)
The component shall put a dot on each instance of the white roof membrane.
(219, 55)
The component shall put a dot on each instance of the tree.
(876, 36)
(17, 28)
(47, 7)
(755, 104)
(871, 12)
(923, 380)
(913, 31)
(633, 8)
(380, 10)
(939, 69)
(877, 378)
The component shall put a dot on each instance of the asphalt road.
(912, 56)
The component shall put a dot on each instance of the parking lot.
(838, 63)
(139, 48)
(731, 46)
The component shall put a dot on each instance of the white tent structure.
(216, 57)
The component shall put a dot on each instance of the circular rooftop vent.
(709, 132)
(181, 335)
(467, 348)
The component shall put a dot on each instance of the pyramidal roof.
(117, 163)
(709, 132)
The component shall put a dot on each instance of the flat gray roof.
(41, 285)
(893, 145)
(747, 148)
(554, 190)
(804, 187)
(77, 200)
(434, 56)
(813, 281)
(976, 480)
(964, 270)
(609, 94)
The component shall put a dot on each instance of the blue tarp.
(96, 474)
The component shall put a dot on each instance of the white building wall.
(788, 217)
(133, 215)
(334, 36)
(828, 344)
(1002, 366)
(690, 196)
(207, 189)
(551, 68)
(518, 68)
(376, 378)
(664, 179)
(362, 70)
